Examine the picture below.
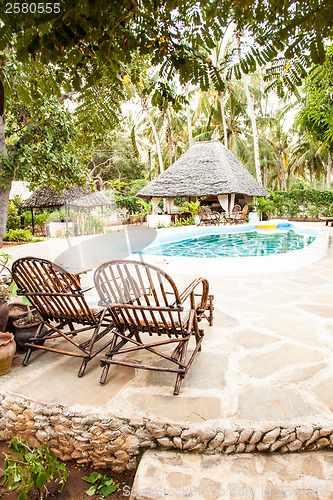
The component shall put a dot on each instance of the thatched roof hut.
(207, 169)
(74, 196)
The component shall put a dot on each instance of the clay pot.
(24, 331)
(7, 351)
(4, 310)
(16, 311)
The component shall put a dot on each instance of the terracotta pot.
(7, 351)
(4, 310)
(16, 311)
(24, 331)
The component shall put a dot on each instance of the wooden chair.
(209, 217)
(58, 298)
(240, 218)
(144, 301)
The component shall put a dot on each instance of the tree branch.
(2, 99)
(68, 95)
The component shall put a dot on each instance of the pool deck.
(266, 366)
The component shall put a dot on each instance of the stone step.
(296, 476)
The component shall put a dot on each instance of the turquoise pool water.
(242, 244)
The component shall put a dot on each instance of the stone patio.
(177, 475)
(263, 381)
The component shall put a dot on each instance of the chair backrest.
(236, 208)
(55, 293)
(244, 212)
(140, 296)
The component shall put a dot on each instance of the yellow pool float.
(266, 225)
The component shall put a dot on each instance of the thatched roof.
(207, 168)
(74, 196)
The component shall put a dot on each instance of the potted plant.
(26, 323)
(26, 327)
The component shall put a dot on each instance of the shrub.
(29, 468)
(19, 235)
(131, 203)
(100, 484)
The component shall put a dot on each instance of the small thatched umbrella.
(206, 169)
(74, 196)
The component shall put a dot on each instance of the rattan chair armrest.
(192, 286)
(82, 272)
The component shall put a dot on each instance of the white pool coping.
(235, 266)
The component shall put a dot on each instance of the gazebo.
(74, 196)
(206, 170)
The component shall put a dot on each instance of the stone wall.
(104, 440)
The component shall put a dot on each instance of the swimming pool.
(180, 250)
(241, 244)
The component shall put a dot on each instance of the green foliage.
(28, 467)
(100, 484)
(264, 207)
(20, 235)
(183, 222)
(48, 156)
(316, 116)
(13, 219)
(110, 159)
(146, 208)
(300, 201)
(193, 207)
(131, 203)
(93, 225)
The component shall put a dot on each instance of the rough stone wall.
(103, 440)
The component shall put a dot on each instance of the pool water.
(242, 244)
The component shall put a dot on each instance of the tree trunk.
(224, 121)
(252, 116)
(169, 139)
(283, 176)
(157, 140)
(311, 179)
(189, 125)
(329, 170)
(5, 184)
(265, 173)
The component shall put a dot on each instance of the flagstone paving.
(266, 364)
(166, 474)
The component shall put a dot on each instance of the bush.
(93, 225)
(183, 222)
(131, 203)
(19, 235)
(30, 468)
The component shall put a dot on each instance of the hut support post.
(66, 212)
(32, 221)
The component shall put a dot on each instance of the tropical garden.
(108, 96)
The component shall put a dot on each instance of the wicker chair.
(240, 217)
(209, 217)
(144, 301)
(59, 300)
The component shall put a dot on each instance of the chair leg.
(83, 367)
(181, 375)
(105, 372)
(178, 384)
(106, 366)
(211, 309)
(27, 357)
(29, 351)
